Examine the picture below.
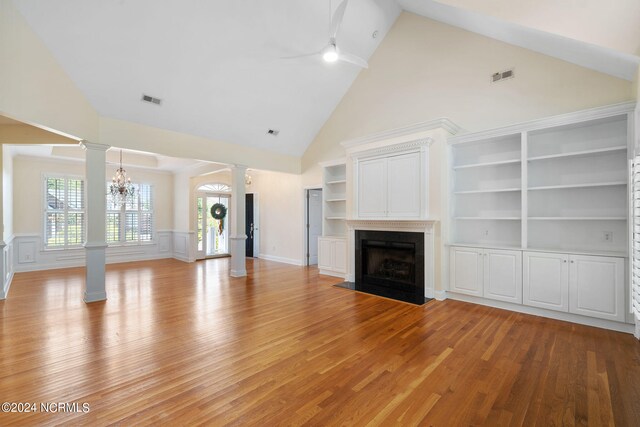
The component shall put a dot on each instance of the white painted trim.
(333, 274)
(397, 148)
(440, 295)
(443, 123)
(559, 120)
(567, 317)
(283, 260)
(336, 162)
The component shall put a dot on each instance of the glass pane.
(54, 229)
(146, 229)
(75, 229)
(113, 227)
(200, 212)
(55, 193)
(75, 194)
(132, 202)
(144, 192)
(131, 229)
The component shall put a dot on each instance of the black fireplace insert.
(390, 264)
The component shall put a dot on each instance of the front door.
(249, 224)
(212, 234)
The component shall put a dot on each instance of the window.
(215, 188)
(64, 224)
(133, 221)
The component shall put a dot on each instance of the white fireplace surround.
(411, 226)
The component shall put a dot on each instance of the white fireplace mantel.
(412, 226)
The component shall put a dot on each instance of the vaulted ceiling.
(218, 65)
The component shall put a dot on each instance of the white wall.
(280, 198)
(425, 70)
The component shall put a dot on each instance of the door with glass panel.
(212, 234)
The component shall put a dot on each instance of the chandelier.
(121, 188)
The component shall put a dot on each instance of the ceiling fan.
(331, 52)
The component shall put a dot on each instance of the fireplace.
(390, 264)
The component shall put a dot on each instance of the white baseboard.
(333, 274)
(283, 260)
(440, 295)
(567, 317)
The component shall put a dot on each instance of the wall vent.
(502, 75)
(273, 132)
(151, 99)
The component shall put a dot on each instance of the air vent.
(151, 99)
(273, 132)
(502, 75)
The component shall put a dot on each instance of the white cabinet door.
(503, 275)
(340, 256)
(325, 253)
(596, 287)
(465, 266)
(372, 188)
(403, 186)
(546, 280)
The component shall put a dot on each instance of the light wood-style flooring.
(182, 344)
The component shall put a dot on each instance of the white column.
(95, 187)
(237, 221)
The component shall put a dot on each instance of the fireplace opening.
(390, 264)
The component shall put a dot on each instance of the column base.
(94, 296)
(238, 273)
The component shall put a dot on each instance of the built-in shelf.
(334, 206)
(577, 218)
(500, 190)
(480, 218)
(579, 153)
(335, 218)
(339, 181)
(335, 200)
(486, 164)
(594, 184)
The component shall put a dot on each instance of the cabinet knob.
(565, 261)
(571, 261)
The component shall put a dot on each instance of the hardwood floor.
(184, 343)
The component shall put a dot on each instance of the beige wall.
(425, 70)
(33, 87)
(7, 193)
(28, 197)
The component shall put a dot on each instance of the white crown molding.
(335, 162)
(394, 148)
(559, 120)
(443, 123)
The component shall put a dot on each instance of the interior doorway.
(212, 234)
(313, 224)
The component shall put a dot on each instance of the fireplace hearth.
(390, 264)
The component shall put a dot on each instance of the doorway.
(250, 225)
(212, 234)
(314, 224)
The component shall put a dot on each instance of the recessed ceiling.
(216, 65)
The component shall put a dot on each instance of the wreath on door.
(219, 212)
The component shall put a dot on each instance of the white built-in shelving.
(556, 184)
(334, 196)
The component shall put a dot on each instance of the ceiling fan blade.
(353, 59)
(336, 20)
(306, 55)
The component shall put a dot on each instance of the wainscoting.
(30, 254)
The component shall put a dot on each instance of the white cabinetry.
(489, 273)
(546, 280)
(580, 284)
(596, 287)
(332, 256)
(392, 186)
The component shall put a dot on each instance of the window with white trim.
(64, 212)
(131, 222)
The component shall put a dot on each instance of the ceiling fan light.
(330, 54)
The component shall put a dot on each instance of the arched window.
(215, 188)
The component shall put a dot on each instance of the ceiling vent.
(273, 132)
(502, 75)
(151, 99)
